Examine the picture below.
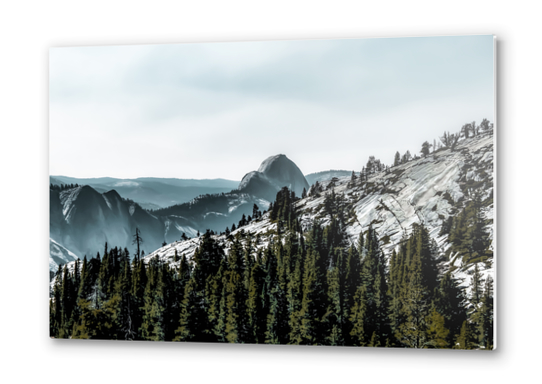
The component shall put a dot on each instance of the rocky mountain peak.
(274, 173)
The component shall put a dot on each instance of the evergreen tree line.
(467, 235)
(208, 198)
(429, 308)
(62, 187)
(311, 288)
(447, 140)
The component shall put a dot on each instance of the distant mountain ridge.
(326, 175)
(216, 212)
(152, 192)
(82, 219)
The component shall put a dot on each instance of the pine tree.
(395, 292)
(352, 280)
(189, 314)
(104, 281)
(450, 140)
(419, 277)
(56, 304)
(216, 299)
(137, 241)
(235, 295)
(94, 323)
(437, 333)
(358, 317)
(425, 149)
(85, 285)
(413, 332)
(139, 282)
(465, 338)
(67, 301)
(486, 316)
(450, 302)
(277, 318)
(406, 157)
(334, 314)
(124, 310)
(465, 130)
(294, 298)
(194, 324)
(242, 222)
(271, 289)
(476, 287)
(308, 312)
(371, 302)
(153, 326)
(254, 304)
(397, 159)
(428, 255)
(353, 179)
(485, 125)
(475, 313)
(52, 329)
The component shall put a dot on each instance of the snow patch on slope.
(234, 204)
(188, 231)
(67, 199)
(107, 201)
(59, 255)
(260, 227)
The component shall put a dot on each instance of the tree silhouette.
(138, 240)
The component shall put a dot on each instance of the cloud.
(217, 110)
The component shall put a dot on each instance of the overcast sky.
(217, 110)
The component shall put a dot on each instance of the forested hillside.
(393, 256)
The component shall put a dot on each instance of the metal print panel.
(317, 192)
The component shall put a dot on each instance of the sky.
(217, 110)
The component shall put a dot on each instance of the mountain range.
(83, 218)
(395, 256)
(150, 192)
(431, 190)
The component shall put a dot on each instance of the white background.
(28, 29)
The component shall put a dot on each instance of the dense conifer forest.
(306, 288)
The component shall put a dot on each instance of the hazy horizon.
(215, 178)
(217, 110)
